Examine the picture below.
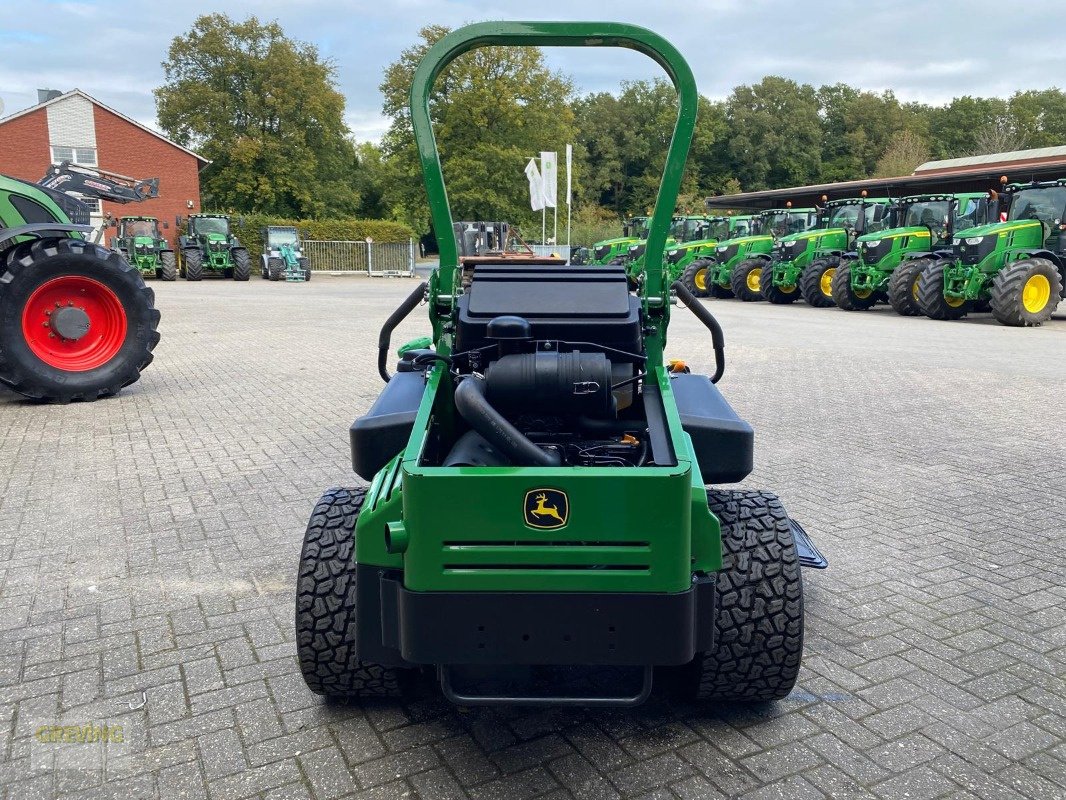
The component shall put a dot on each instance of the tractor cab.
(209, 227)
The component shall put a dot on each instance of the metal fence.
(377, 259)
(552, 250)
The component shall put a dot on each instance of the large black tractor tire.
(96, 289)
(305, 265)
(616, 262)
(275, 269)
(758, 626)
(168, 266)
(194, 263)
(242, 266)
(694, 278)
(745, 280)
(1026, 293)
(778, 295)
(845, 296)
(720, 292)
(931, 298)
(903, 286)
(326, 593)
(816, 282)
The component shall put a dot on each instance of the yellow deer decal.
(542, 509)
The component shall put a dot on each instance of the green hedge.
(247, 227)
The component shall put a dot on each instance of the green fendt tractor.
(283, 255)
(538, 507)
(141, 242)
(1017, 266)
(886, 264)
(686, 259)
(208, 246)
(612, 251)
(76, 320)
(748, 251)
(803, 264)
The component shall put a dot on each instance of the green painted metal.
(606, 251)
(11, 217)
(771, 225)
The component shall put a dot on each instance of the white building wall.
(71, 123)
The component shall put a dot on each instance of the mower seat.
(724, 443)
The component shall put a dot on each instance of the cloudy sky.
(925, 51)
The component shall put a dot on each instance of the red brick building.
(78, 128)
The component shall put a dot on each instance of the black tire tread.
(194, 263)
(843, 295)
(242, 267)
(688, 277)
(168, 266)
(899, 286)
(775, 294)
(810, 281)
(1007, 286)
(738, 279)
(931, 295)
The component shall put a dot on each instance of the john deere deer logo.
(546, 508)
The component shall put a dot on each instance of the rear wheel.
(305, 265)
(758, 626)
(816, 282)
(694, 278)
(194, 264)
(242, 268)
(76, 320)
(903, 286)
(844, 294)
(745, 280)
(168, 266)
(275, 268)
(1026, 292)
(778, 295)
(931, 299)
(325, 606)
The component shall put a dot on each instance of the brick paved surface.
(148, 549)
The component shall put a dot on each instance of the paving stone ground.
(148, 549)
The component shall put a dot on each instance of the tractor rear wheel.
(903, 286)
(758, 626)
(275, 268)
(845, 296)
(778, 295)
(745, 280)
(931, 299)
(305, 265)
(242, 268)
(168, 266)
(194, 263)
(76, 320)
(325, 606)
(1026, 292)
(816, 282)
(694, 277)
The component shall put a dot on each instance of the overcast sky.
(925, 51)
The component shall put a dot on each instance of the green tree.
(953, 129)
(1038, 118)
(492, 109)
(905, 151)
(857, 128)
(264, 109)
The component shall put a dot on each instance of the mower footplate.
(809, 555)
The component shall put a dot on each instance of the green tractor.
(141, 242)
(887, 263)
(803, 264)
(209, 246)
(76, 320)
(282, 256)
(683, 230)
(1016, 266)
(538, 509)
(611, 251)
(686, 258)
(711, 276)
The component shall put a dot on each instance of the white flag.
(536, 186)
(569, 160)
(549, 168)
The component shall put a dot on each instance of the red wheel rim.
(106, 319)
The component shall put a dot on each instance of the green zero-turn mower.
(141, 242)
(209, 247)
(686, 259)
(610, 251)
(886, 264)
(1016, 267)
(538, 503)
(283, 255)
(712, 275)
(803, 264)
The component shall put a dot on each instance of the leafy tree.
(857, 128)
(905, 152)
(953, 128)
(1038, 118)
(264, 109)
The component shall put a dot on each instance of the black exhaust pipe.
(475, 409)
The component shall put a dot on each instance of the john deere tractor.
(803, 264)
(282, 257)
(711, 275)
(209, 247)
(611, 250)
(538, 510)
(886, 264)
(141, 242)
(686, 258)
(683, 230)
(1017, 267)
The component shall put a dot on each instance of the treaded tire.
(242, 268)
(758, 635)
(810, 282)
(931, 298)
(777, 295)
(903, 286)
(194, 264)
(168, 266)
(691, 277)
(305, 265)
(325, 606)
(844, 296)
(275, 268)
(28, 265)
(738, 280)
(1007, 292)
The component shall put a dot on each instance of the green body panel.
(603, 253)
(1015, 240)
(140, 250)
(216, 249)
(635, 257)
(681, 255)
(11, 217)
(728, 254)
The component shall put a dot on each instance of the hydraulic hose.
(707, 318)
(501, 434)
(397, 316)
